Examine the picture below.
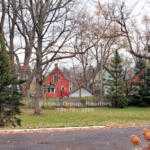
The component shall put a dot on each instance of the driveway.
(91, 139)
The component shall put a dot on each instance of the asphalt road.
(93, 139)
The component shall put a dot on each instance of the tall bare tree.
(2, 14)
(45, 31)
(51, 21)
(120, 14)
(83, 44)
(106, 37)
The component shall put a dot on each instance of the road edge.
(2, 131)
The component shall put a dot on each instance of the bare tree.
(46, 32)
(26, 30)
(106, 37)
(99, 37)
(51, 21)
(121, 15)
(83, 44)
(2, 14)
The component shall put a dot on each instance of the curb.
(45, 130)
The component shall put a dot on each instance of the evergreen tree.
(115, 82)
(144, 90)
(141, 95)
(137, 87)
(9, 96)
(140, 65)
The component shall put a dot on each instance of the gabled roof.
(84, 92)
(82, 87)
(57, 69)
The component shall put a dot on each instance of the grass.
(86, 117)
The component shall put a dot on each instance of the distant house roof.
(84, 93)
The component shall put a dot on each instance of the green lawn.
(86, 117)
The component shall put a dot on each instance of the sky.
(139, 7)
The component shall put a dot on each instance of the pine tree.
(137, 88)
(9, 96)
(115, 82)
(144, 91)
(141, 95)
(140, 65)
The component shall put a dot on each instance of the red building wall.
(56, 81)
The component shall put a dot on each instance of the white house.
(80, 92)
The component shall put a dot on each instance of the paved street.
(93, 139)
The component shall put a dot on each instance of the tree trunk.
(80, 93)
(101, 81)
(37, 97)
(27, 72)
(38, 76)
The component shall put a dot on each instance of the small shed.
(81, 92)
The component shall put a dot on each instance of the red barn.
(56, 83)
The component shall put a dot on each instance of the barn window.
(51, 88)
(62, 89)
(55, 78)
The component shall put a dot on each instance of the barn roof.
(57, 69)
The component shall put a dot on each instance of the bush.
(120, 103)
(136, 100)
